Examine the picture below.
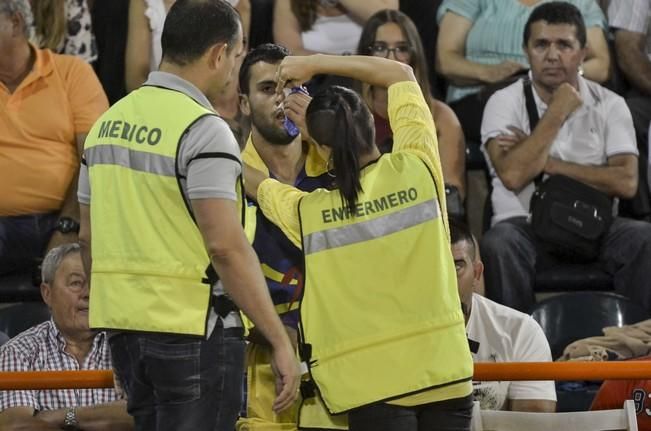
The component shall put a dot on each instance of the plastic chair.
(571, 316)
(19, 287)
(569, 276)
(601, 420)
(16, 318)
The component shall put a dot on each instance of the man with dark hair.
(63, 343)
(586, 133)
(499, 334)
(168, 248)
(290, 158)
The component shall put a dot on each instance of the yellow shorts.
(262, 392)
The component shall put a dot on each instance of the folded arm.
(618, 178)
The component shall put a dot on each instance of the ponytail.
(344, 157)
(337, 118)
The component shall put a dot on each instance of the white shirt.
(332, 35)
(156, 14)
(601, 128)
(632, 15)
(507, 335)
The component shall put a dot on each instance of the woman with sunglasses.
(381, 327)
(392, 34)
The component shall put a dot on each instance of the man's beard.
(273, 135)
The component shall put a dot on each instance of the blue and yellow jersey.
(282, 261)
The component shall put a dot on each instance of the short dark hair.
(193, 26)
(459, 232)
(268, 53)
(557, 12)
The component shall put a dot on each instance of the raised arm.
(296, 70)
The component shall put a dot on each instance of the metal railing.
(504, 371)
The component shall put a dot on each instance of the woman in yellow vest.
(382, 332)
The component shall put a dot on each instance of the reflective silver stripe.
(370, 229)
(132, 159)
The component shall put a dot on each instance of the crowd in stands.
(568, 94)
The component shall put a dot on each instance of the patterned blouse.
(79, 39)
(41, 348)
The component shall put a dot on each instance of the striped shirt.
(41, 348)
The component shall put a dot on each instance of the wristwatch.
(70, 420)
(67, 225)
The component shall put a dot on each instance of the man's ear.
(245, 105)
(216, 54)
(46, 292)
(478, 270)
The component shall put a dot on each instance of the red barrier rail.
(483, 371)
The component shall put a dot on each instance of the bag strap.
(532, 111)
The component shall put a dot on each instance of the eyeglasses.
(402, 51)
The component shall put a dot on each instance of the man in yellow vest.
(167, 242)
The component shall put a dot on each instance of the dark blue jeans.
(448, 415)
(180, 383)
(512, 254)
(23, 240)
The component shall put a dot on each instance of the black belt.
(223, 305)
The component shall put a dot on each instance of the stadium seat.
(16, 318)
(497, 420)
(574, 315)
(19, 287)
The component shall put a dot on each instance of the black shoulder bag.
(569, 217)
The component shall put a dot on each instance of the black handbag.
(569, 217)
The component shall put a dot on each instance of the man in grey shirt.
(160, 195)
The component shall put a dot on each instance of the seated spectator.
(613, 393)
(327, 26)
(144, 51)
(65, 27)
(391, 34)
(499, 334)
(146, 19)
(48, 102)
(586, 133)
(631, 23)
(63, 343)
(479, 47)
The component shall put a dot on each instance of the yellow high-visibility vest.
(380, 314)
(149, 257)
